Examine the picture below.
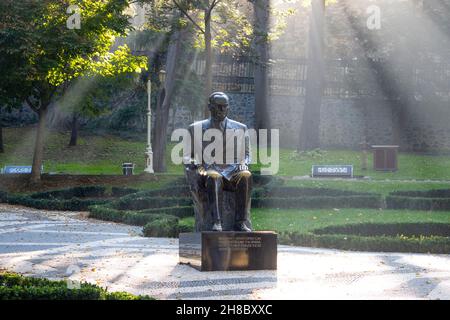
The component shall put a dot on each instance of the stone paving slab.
(116, 256)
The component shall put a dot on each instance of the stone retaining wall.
(345, 122)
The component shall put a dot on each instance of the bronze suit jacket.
(235, 148)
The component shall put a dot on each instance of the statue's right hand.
(201, 171)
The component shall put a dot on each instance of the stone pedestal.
(229, 250)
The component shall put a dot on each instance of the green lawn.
(93, 155)
(105, 154)
(304, 221)
(411, 166)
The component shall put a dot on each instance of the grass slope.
(105, 155)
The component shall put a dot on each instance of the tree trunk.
(163, 106)
(74, 132)
(209, 60)
(310, 127)
(39, 145)
(261, 25)
(174, 113)
(1, 137)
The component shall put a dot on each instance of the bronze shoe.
(241, 226)
(217, 227)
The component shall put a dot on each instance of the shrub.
(175, 191)
(360, 243)
(180, 212)
(137, 218)
(73, 199)
(439, 193)
(141, 219)
(105, 212)
(73, 204)
(163, 226)
(17, 287)
(141, 203)
(389, 229)
(292, 192)
(76, 192)
(125, 296)
(185, 226)
(3, 196)
(402, 202)
(261, 180)
(120, 192)
(374, 201)
(171, 192)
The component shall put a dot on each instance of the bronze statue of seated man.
(223, 171)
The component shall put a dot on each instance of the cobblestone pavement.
(55, 244)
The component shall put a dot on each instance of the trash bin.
(127, 168)
(385, 158)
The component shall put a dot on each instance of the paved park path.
(51, 244)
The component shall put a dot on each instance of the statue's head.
(218, 105)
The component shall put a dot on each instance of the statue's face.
(218, 111)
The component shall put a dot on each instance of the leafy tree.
(227, 26)
(309, 130)
(163, 20)
(90, 97)
(261, 31)
(41, 56)
(207, 6)
(1, 136)
(221, 24)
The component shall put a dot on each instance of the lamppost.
(149, 152)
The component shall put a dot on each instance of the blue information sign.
(344, 171)
(18, 169)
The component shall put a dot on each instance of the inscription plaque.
(222, 251)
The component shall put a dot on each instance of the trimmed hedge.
(185, 226)
(419, 200)
(324, 202)
(359, 243)
(290, 192)
(171, 192)
(397, 237)
(104, 212)
(139, 218)
(259, 179)
(118, 192)
(162, 226)
(17, 287)
(141, 203)
(157, 222)
(179, 211)
(76, 192)
(314, 202)
(437, 193)
(175, 191)
(74, 204)
(427, 204)
(3, 196)
(280, 197)
(388, 229)
(72, 199)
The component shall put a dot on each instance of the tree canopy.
(40, 54)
